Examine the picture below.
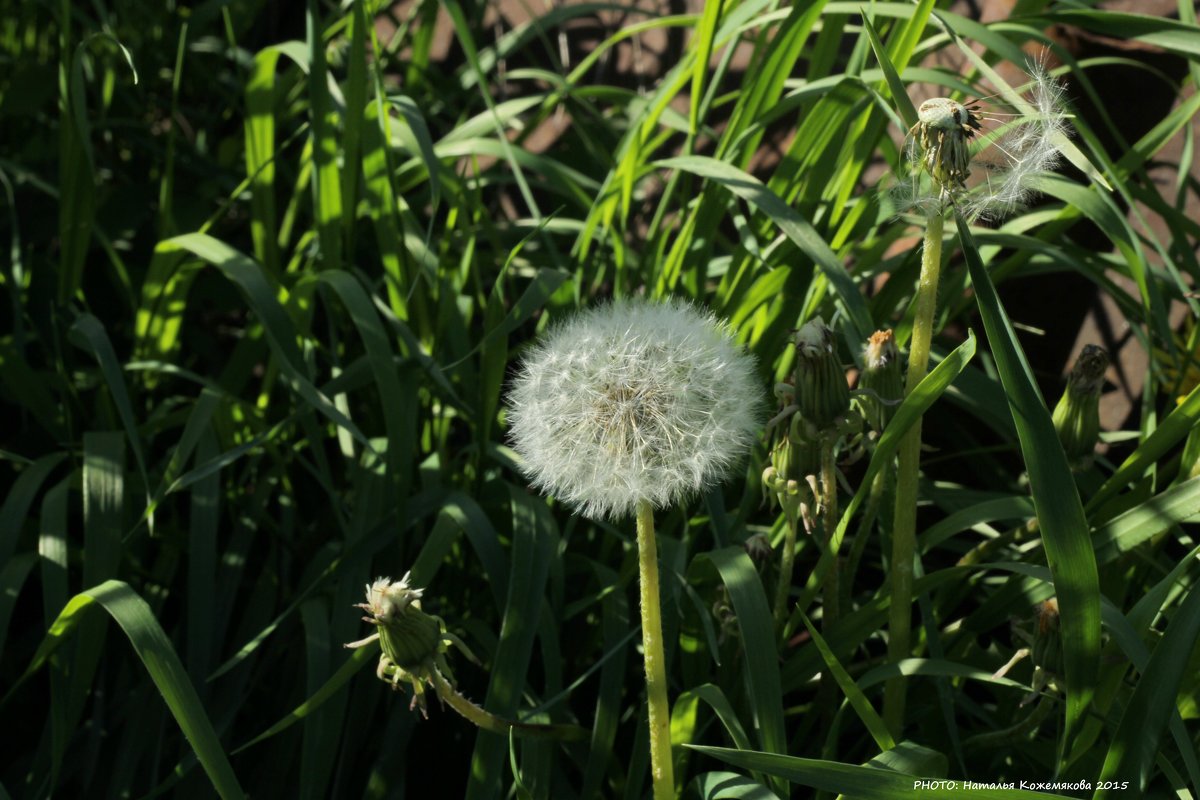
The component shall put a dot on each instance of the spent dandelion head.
(941, 156)
(633, 401)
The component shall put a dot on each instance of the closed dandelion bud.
(1077, 415)
(882, 379)
(795, 455)
(821, 390)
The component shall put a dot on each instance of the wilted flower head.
(882, 377)
(939, 146)
(634, 400)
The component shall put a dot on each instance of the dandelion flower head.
(631, 401)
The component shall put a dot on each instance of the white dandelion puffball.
(634, 400)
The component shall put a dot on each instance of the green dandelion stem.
(829, 515)
(904, 527)
(787, 561)
(655, 659)
(490, 722)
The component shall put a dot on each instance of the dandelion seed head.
(634, 400)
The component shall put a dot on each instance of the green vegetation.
(269, 270)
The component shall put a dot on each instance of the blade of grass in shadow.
(1134, 746)
(89, 334)
(858, 781)
(757, 633)
(1060, 513)
(153, 647)
(534, 535)
(1172, 430)
(858, 701)
(249, 277)
(20, 497)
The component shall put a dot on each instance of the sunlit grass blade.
(795, 227)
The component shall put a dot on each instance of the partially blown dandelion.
(629, 407)
(940, 146)
(633, 401)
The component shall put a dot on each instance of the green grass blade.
(795, 227)
(858, 701)
(857, 781)
(89, 334)
(20, 497)
(1135, 744)
(1170, 431)
(1060, 512)
(281, 333)
(534, 536)
(756, 630)
(326, 183)
(153, 647)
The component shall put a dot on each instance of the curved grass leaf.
(153, 647)
(731, 786)
(1056, 499)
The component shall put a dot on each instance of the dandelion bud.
(633, 401)
(821, 390)
(882, 377)
(1077, 415)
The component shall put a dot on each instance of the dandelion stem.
(829, 516)
(904, 528)
(490, 722)
(655, 659)
(787, 561)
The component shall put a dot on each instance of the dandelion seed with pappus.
(626, 408)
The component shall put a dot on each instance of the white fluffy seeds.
(632, 401)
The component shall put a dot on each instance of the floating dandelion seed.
(939, 145)
(633, 401)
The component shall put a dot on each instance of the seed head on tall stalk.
(630, 407)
